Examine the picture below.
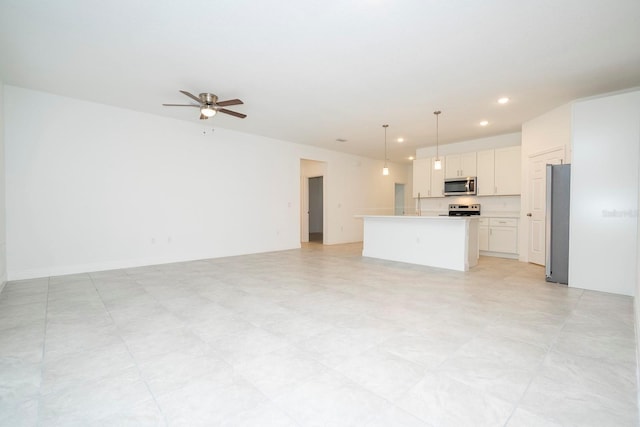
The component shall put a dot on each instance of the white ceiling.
(315, 71)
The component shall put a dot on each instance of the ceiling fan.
(209, 105)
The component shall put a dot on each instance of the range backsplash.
(440, 205)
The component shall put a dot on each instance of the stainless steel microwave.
(460, 186)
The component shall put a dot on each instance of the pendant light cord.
(437, 113)
(385, 144)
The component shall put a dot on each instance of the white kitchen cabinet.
(421, 177)
(460, 165)
(485, 182)
(498, 172)
(437, 178)
(428, 181)
(499, 236)
(507, 167)
(483, 234)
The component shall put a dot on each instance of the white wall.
(604, 193)
(488, 143)
(91, 187)
(3, 231)
(549, 131)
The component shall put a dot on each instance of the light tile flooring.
(314, 337)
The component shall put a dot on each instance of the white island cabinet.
(435, 241)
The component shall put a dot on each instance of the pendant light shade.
(385, 169)
(437, 164)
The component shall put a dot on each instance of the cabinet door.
(503, 239)
(421, 177)
(507, 171)
(468, 164)
(460, 165)
(437, 179)
(483, 237)
(454, 166)
(485, 173)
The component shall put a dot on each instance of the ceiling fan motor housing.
(208, 98)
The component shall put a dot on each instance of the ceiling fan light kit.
(209, 105)
(207, 111)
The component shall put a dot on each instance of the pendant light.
(437, 164)
(385, 169)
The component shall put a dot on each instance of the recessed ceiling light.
(400, 139)
(503, 100)
(484, 123)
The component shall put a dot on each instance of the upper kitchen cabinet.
(508, 168)
(460, 165)
(421, 178)
(499, 172)
(486, 181)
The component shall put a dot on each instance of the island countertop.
(438, 217)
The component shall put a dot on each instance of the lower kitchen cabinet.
(499, 237)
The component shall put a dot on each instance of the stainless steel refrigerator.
(557, 220)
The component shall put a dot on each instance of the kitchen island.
(434, 241)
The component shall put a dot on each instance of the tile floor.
(314, 337)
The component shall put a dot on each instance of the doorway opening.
(316, 220)
(399, 199)
(313, 227)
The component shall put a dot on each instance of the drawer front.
(503, 222)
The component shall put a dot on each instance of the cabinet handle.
(529, 214)
(495, 190)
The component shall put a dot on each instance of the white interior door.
(537, 202)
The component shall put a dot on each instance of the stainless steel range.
(464, 210)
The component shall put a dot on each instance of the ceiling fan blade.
(229, 102)
(180, 105)
(191, 96)
(233, 113)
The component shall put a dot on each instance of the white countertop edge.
(510, 214)
(403, 217)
